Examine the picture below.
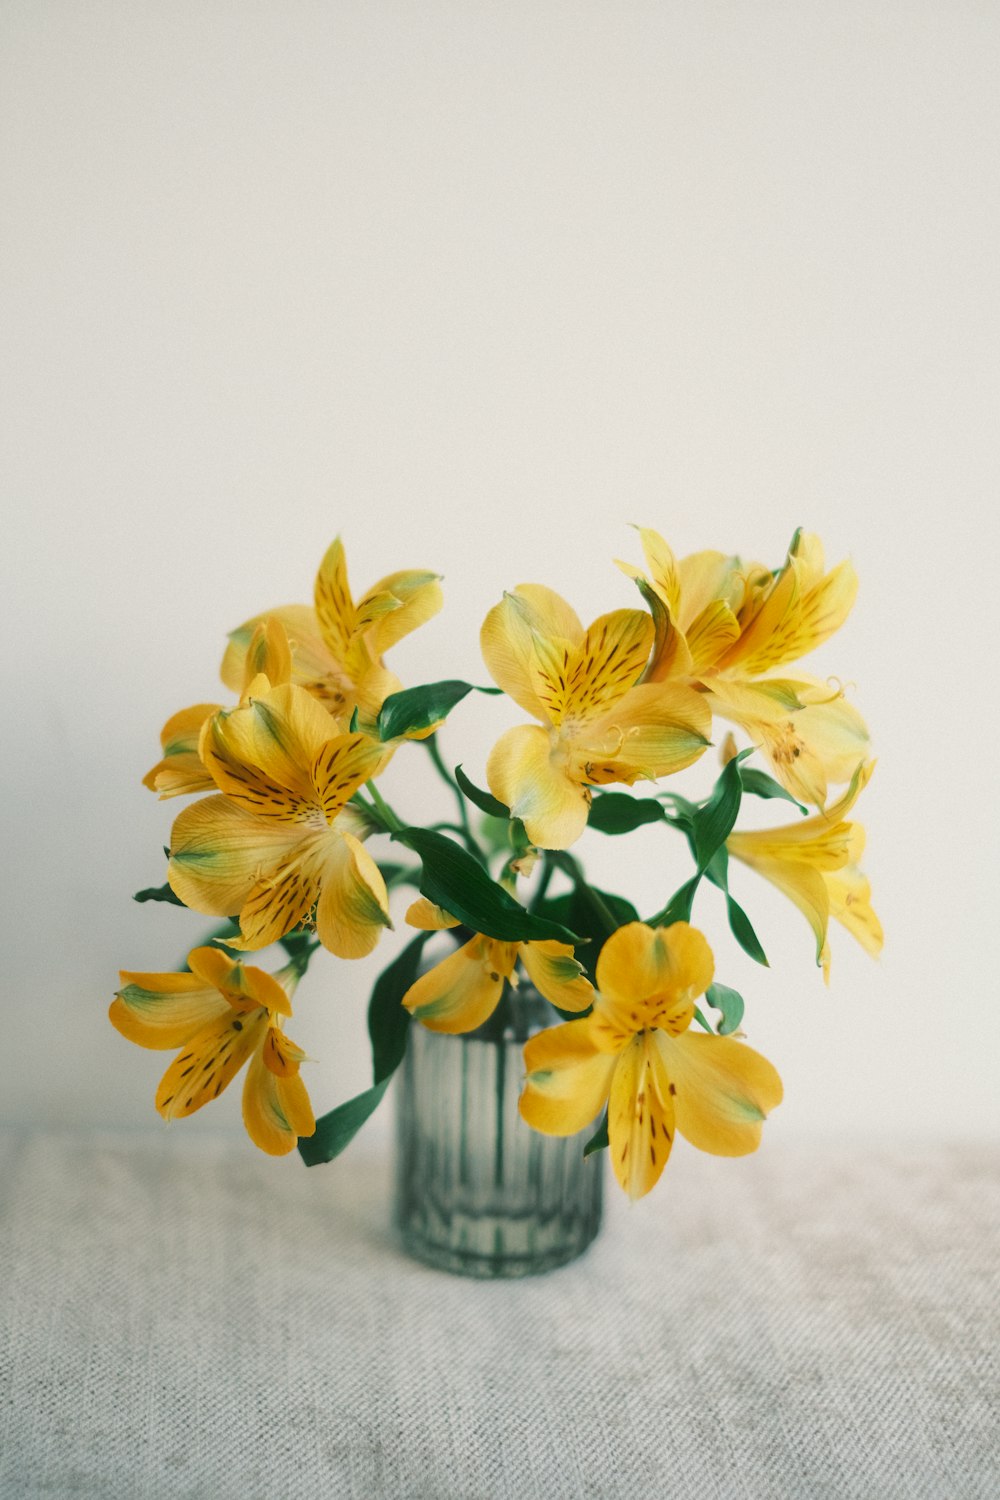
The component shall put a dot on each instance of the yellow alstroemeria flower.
(815, 863)
(636, 1053)
(596, 726)
(464, 989)
(221, 1014)
(182, 770)
(280, 838)
(721, 625)
(337, 646)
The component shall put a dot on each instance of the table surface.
(182, 1318)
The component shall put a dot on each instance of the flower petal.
(520, 771)
(651, 976)
(640, 1117)
(656, 729)
(850, 895)
(353, 904)
(803, 885)
(722, 1090)
(711, 634)
(507, 643)
(276, 1109)
(313, 667)
(181, 770)
(218, 852)
(430, 918)
(213, 1058)
(334, 605)
(279, 901)
(766, 633)
(343, 764)
(663, 569)
(556, 975)
(163, 1011)
(706, 577)
(464, 989)
(418, 598)
(242, 984)
(583, 683)
(568, 1079)
(268, 654)
(273, 739)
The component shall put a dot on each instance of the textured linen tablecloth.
(182, 1318)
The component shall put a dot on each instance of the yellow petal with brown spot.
(342, 765)
(463, 990)
(663, 569)
(646, 970)
(640, 1117)
(218, 851)
(279, 901)
(568, 1079)
(243, 985)
(213, 1058)
(583, 683)
(722, 1091)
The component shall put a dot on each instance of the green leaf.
(419, 708)
(760, 784)
(707, 828)
(729, 1002)
(158, 893)
(715, 820)
(617, 812)
(337, 1129)
(453, 879)
(739, 923)
(599, 1140)
(355, 720)
(485, 801)
(388, 1018)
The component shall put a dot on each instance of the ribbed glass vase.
(477, 1191)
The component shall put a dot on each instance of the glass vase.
(478, 1192)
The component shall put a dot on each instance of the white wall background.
(476, 285)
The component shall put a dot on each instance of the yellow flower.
(337, 647)
(182, 770)
(460, 992)
(221, 1014)
(636, 1053)
(815, 863)
(281, 839)
(596, 726)
(721, 625)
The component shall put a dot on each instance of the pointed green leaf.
(158, 893)
(760, 784)
(453, 879)
(388, 1018)
(739, 923)
(618, 812)
(599, 1140)
(419, 708)
(485, 801)
(337, 1129)
(730, 1003)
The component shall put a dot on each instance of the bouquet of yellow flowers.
(289, 845)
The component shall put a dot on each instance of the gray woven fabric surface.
(181, 1318)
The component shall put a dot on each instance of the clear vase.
(478, 1192)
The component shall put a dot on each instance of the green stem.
(446, 776)
(385, 812)
(548, 870)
